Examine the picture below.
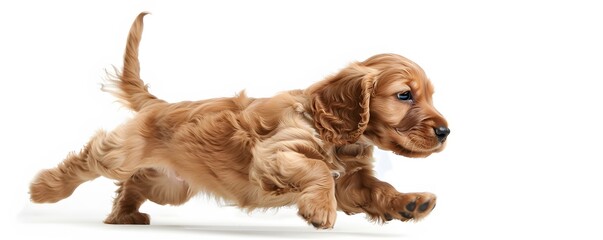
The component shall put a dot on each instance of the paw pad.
(410, 206)
(423, 207)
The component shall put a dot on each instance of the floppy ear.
(340, 104)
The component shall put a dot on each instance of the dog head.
(385, 100)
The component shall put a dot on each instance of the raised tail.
(127, 85)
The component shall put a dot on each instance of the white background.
(519, 82)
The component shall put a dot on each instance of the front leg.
(359, 191)
(282, 165)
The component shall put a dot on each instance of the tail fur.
(127, 85)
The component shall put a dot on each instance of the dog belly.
(263, 199)
(246, 194)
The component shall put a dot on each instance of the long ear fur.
(340, 104)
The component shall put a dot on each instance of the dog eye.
(404, 96)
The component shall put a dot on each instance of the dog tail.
(127, 85)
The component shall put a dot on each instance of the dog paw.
(319, 218)
(129, 218)
(319, 213)
(410, 206)
(49, 187)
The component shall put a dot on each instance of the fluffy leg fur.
(317, 202)
(146, 184)
(130, 196)
(52, 185)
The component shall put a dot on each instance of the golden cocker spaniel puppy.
(310, 147)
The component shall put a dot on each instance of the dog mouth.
(414, 153)
(410, 148)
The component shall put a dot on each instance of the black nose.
(441, 132)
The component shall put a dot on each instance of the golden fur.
(311, 147)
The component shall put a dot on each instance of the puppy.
(312, 147)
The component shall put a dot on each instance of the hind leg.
(55, 184)
(102, 156)
(146, 184)
(127, 202)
